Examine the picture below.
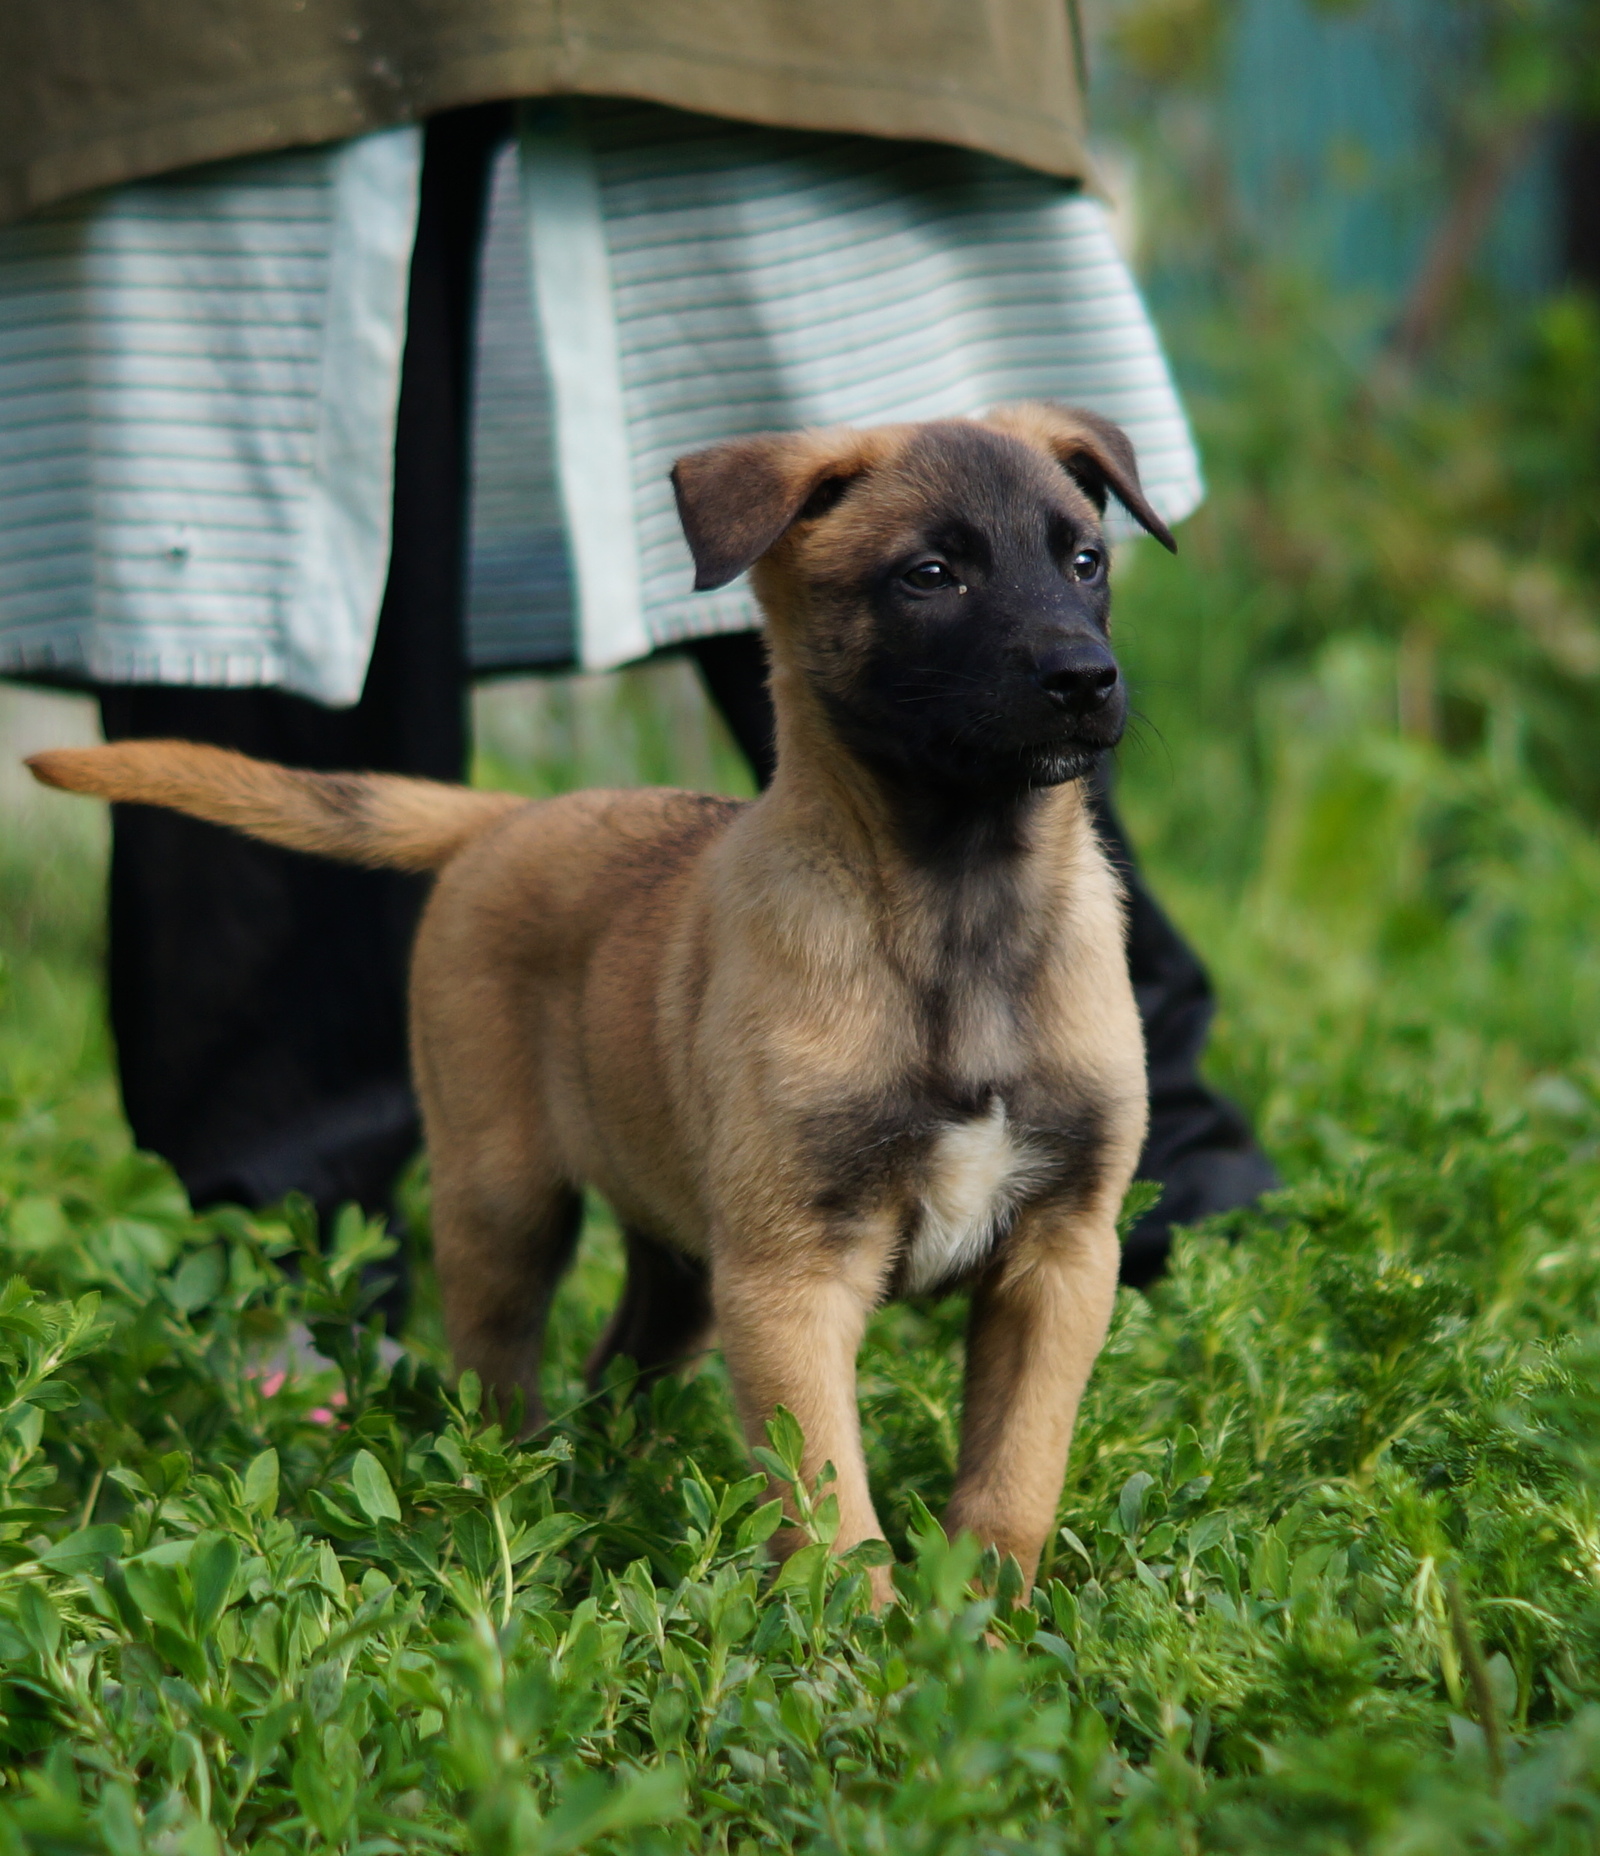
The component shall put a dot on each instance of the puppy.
(870, 1035)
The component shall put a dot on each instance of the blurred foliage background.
(1369, 774)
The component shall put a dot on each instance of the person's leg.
(1199, 1148)
(733, 667)
(258, 996)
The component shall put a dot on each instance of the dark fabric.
(258, 996)
(1580, 202)
(1199, 1146)
(733, 667)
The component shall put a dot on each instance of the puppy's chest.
(976, 1168)
(951, 1171)
(982, 1122)
(967, 1189)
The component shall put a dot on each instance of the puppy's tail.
(383, 820)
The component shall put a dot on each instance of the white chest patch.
(978, 1173)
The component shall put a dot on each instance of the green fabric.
(94, 92)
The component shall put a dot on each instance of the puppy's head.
(942, 588)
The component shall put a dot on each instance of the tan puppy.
(869, 1035)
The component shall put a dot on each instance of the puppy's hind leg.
(664, 1315)
(501, 1247)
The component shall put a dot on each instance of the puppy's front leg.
(791, 1326)
(1037, 1322)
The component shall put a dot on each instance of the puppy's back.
(541, 977)
(562, 872)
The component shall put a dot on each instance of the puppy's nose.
(1080, 676)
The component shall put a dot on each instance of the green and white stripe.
(201, 374)
(197, 390)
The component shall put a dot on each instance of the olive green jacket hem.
(93, 94)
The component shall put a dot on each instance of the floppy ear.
(736, 499)
(1096, 454)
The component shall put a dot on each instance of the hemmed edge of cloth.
(85, 662)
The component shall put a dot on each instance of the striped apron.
(198, 379)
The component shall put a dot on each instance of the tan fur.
(671, 999)
(381, 820)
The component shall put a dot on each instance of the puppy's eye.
(1086, 563)
(932, 577)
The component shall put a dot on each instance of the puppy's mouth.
(1050, 760)
(1058, 766)
(1013, 739)
(1065, 752)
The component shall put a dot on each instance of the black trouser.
(258, 996)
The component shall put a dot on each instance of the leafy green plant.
(1325, 1578)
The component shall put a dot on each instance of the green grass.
(1326, 1577)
